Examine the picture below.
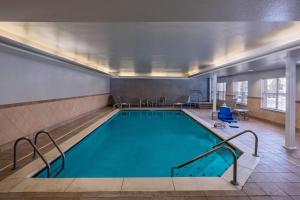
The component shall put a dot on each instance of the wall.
(171, 89)
(26, 78)
(254, 81)
(37, 93)
(254, 94)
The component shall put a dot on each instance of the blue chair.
(226, 115)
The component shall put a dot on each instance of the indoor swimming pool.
(143, 143)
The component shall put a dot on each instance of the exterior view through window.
(240, 92)
(274, 94)
(221, 91)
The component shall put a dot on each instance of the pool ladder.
(239, 134)
(37, 151)
(216, 148)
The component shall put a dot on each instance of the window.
(274, 94)
(221, 91)
(240, 91)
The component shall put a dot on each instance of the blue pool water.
(143, 144)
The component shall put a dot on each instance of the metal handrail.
(241, 133)
(233, 181)
(35, 149)
(53, 141)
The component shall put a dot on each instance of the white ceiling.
(148, 10)
(176, 49)
(271, 62)
(166, 38)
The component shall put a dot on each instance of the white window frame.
(243, 94)
(265, 93)
(221, 94)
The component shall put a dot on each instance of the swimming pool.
(143, 143)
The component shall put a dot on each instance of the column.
(214, 88)
(290, 115)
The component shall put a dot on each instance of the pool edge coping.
(22, 181)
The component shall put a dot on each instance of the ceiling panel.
(149, 10)
(176, 49)
(271, 62)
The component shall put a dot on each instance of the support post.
(214, 88)
(290, 115)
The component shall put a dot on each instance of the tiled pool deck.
(276, 176)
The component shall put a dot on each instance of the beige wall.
(17, 120)
(255, 110)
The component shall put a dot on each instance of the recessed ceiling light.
(250, 70)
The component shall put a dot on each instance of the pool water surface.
(143, 143)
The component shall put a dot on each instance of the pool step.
(213, 165)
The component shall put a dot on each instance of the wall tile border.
(47, 100)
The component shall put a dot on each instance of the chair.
(143, 102)
(151, 102)
(146, 102)
(231, 103)
(134, 102)
(181, 101)
(119, 102)
(196, 98)
(226, 115)
(161, 101)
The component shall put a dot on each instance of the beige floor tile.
(42, 185)
(213, 183)
(7, 184)
(147, 184)
(54, 153)
(243, 174)
(248, 160)
(95, 184)
(241, 146)
(29, 170)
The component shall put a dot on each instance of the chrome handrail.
(35, 149)
(241, 133)
(233, 181)
(54, 143)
